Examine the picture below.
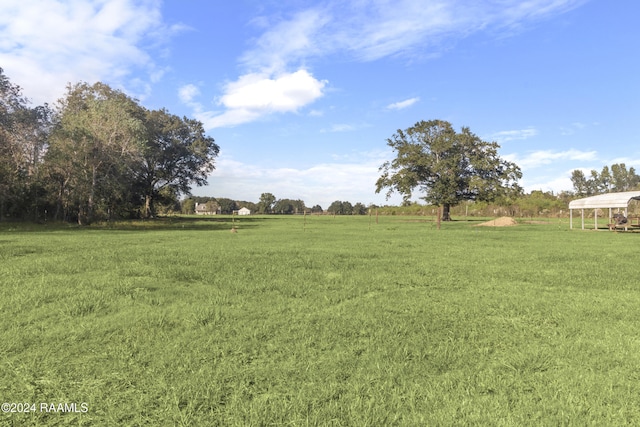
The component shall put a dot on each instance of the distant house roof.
(609, 200)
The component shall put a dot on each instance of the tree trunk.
(446, 216)
(148, 206)
(92, 194)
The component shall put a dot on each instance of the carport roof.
(609, 200)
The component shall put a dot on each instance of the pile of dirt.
(503, 221)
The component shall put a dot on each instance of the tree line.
(612, 179)
(268, 204)
(97, 154)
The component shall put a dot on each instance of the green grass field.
(340, 322)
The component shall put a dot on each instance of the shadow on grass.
(155, 224)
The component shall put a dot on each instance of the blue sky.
(302, 95)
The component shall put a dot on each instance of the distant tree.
(227, 206)
(581, 185)
(316, 209)
(623, 179)
(614, 179)
(212, 207)
(359, 209)
(447, 166)
(283, 206)
(267, 200)
(188, 206)
(340, 208)
(298, 206)
(539, 202)
(604, 181)
(335, 208)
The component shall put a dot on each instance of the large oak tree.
(176, 154)
(448, 167)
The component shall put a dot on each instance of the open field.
(340, 322)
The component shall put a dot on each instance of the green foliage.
(94, 148)
(616, 179)
(176, 155)
(447, 166)
(227, 206)
(344, 321)
(23, 141)
(98, 155)
(266, 202)
(288, 206)
(340, 208)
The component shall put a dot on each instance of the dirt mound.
(503, 221)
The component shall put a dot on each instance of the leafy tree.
(298, 206)
(623, 179)
(614, 179)
(340, 208)
(359, 209)
(288, 206)
(176, 154)
(227, 206)
(24, 133)
(188, 206)
(267, 200)
(447, 166)
(581, 184)
(283, 206)
(316, 209)
(94, 147)
(335, 208)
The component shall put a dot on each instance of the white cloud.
(364, 31)
(339, 128)
(188, 92)
(562, 183)
(370, 30)
(352, 179)
(511, 135)
(403, 104)
(256, 95)
(544, 157)
(45, 44)
(573, 128)
(286, 42)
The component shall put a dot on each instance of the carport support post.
(626, 216)
(570, 219)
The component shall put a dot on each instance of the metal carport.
(603, 201)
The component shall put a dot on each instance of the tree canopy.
(176, 154)
(614, 179)
(98, 154)
(447, 166)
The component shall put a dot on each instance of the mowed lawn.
(339, 321)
